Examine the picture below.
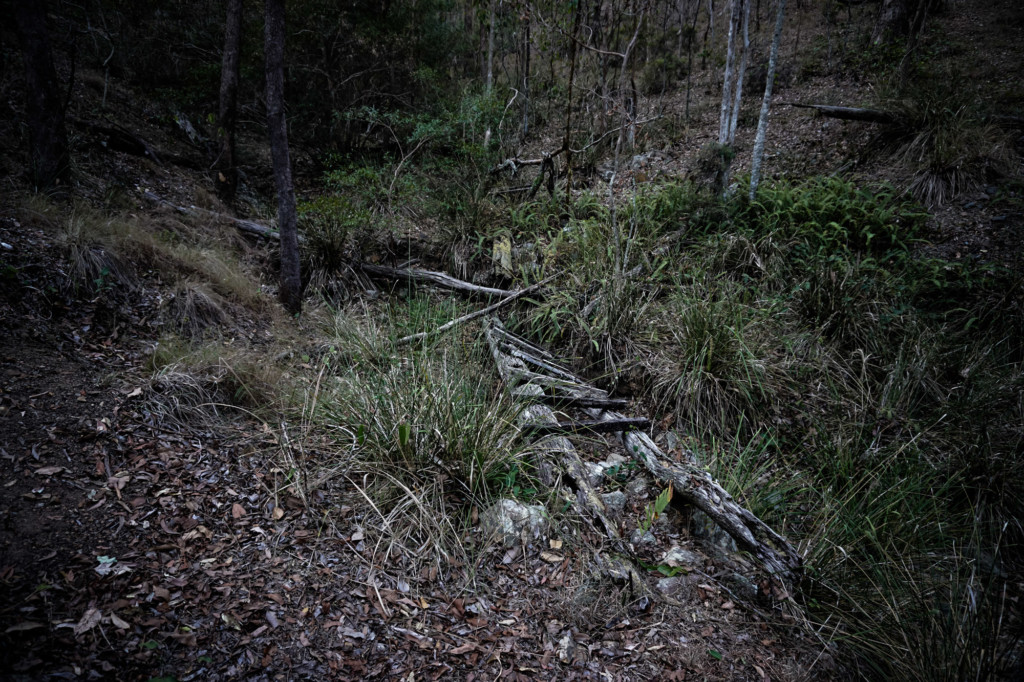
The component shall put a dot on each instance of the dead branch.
(246, 226)
(850, 113)
(437, 278)
(573, 427)
(479, 313)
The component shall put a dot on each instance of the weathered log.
(698, 488)
(585, 426)
(691, 484)
(431, 277)
(850, 113)
(247, 226)
(559, 445)
(564, 401)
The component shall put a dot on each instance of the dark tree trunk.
(48, 140)
(291, 284)
(227, 170)
(901, 19)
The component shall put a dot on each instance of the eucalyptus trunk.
(766, 103)
(49, 162)
(227, 113)
(287, 222)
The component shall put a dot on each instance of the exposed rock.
(677, 556)
(595, 473)
(677, 586)
(615, 503)
(638, 488)
(510, 520)
(640, 538)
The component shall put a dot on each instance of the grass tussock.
(422, 438)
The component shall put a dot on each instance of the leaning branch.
(472, 316)
(437, 278)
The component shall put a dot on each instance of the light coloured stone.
(677, 556)
(510, 519)
(614, 502)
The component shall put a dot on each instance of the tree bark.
(227, 114)
(766, 104)
(738, 90)
(287, 222)
(48, 141)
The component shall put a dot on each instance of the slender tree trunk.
(227, 114)
(738, 89)
(727, 78)
(490, 46)
(291, 283)
(766, 103)
(48, 142)
(526, 75)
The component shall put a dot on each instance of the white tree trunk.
(730, 62)
(737, 94)
(766, 103)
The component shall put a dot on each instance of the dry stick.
(479, 313)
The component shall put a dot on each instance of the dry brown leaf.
(237, 510)
(25, 626)
(117, 622)
(48, 471)
(464, 649)
(89, 620)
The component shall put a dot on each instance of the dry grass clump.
(194, 309)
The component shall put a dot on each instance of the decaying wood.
(565, 401)
(246, 226)
(557, 445)
(479, 313)
(698, 488)
(850, 113)
(566, 428)
(120, 138)
(436, 278)
(691, 484)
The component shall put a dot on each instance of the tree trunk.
(901, 19)
(730, 65)
(48, 141)
(291, 284)
(227, 171)
(738, 90)
(766, 103)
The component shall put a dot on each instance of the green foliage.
(655, 509)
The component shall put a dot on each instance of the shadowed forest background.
(278, 279)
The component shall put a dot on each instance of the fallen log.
(850, 113)
(575, 427)
(692, 484)
(565, 401)
(242, 225)
(431, 277)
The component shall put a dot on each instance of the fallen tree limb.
(437, 278)
(850, 113)
(570, 401)
(691, 484)
(591, 427)
(246, 226)
(479, 313)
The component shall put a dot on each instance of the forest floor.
(145, 538)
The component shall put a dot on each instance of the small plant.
(655, 509)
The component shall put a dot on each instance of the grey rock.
(595, 473)
(615, 502)
(640, 538)
(677, 556)
(675, 586)
(510, 520)
(637, 487)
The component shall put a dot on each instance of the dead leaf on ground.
(90, 619)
